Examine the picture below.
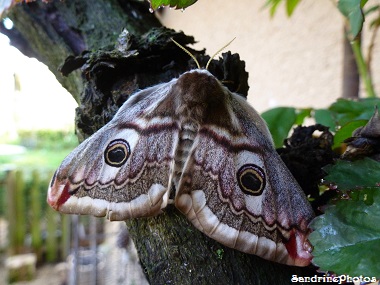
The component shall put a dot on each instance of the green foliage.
(352, 10)
(349, 175)
(178, 4)
(219, 253)
(342, 117)
(346, 238)
(280, 120)
(290, 6)
(344, 111)
(346, 132)
(30, 182)
(375, 22)
(45, 150)
(325, 117)
(47, 139)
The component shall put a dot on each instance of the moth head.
(117, 152)
(251, 179)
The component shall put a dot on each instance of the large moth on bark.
(193, 143)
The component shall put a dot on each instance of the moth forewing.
(123, 170)
(194, 135)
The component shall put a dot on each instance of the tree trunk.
(171, 250)
(52, 31)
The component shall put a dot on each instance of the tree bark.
(171, 250)
(52, 31)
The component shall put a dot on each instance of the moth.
(193, 137)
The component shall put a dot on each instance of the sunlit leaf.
(325, 117)
(290, 6)
(301, 115)
(345, 111)
(346, 131)
(375, 23)
(372, 9)
(351, 9)
(272, 4)
(346, 239)
(280, 120)
(178, 4)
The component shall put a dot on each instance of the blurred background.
(292, 61)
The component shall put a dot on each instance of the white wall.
(294, 61)
(41, 102)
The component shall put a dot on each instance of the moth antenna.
(189, 53)
(219, 50)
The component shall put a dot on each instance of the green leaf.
(346, 239)
(345, 132)
(325, 117)
(374, 23)
(280, 120)
(345, 111)
(371, 10)
(178, 4)
(348, 175)
(351, 9)
(290, 6)
(273, 4)
(362, 3)
(301, 115)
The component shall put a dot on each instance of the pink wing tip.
(56, 195)
(299, 248)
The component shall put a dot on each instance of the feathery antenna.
(211, 58)
(219, 50)
(189, 53)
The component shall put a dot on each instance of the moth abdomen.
(187, 134)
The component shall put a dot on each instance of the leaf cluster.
(177, 4)
(346, 238)
(342, 117)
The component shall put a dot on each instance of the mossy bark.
(171, 250)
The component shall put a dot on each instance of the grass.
(36, 159)
(44, 150)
